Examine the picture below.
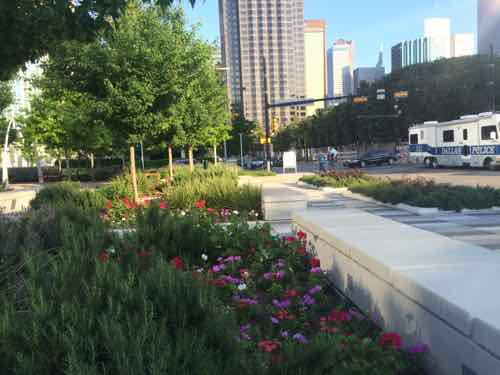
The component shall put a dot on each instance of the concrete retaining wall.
(15, 201)
(429, 288)
(279, 202)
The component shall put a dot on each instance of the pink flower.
(163, 205)
(177, 263)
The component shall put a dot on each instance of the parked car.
(372, 158)
(258, 164)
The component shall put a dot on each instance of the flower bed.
(417, 192)
(184, 293)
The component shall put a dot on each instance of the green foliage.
(55, 23)
(80, 315)
(67, 192)
(426, 193)
(121, 186)
(256, 173)
(415, 192)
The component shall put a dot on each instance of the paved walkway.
(479, 228)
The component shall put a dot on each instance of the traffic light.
(275, 125)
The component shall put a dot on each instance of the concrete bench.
(429, 288)
(279, 202)
(15, 201)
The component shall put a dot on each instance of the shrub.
(86, 314)
(64, 192)
(336, 179)
(121, 186)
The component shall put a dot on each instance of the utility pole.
(266, 117)
(241, 149)
(491, 83)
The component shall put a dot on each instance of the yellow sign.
(401, 94)
(275, 125)
(264, 142)
(360, 100)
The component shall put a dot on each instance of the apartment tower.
(254, 31)
(343, 56)
(315, 63)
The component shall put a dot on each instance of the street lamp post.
(5, 170)
(266, 117)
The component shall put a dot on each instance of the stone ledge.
(427, 287)
(279, 202)
(16, 201)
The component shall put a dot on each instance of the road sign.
(381, 94)
(401, 94)
(289, 161)
(360, 100)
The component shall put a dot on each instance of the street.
(456, 176)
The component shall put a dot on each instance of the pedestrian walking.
(323, 163)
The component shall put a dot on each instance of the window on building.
(414, 139)
(487, 132)
(448, 136)
(465, 134)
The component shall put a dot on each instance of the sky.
(369, 23)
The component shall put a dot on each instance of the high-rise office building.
(369, 75)
(488, 25)
(397, 57)
(315, 63)
(343, 60)
(463, 45)
(254, 31)
(438, 32)
(329, 72)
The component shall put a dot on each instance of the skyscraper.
(315, 63)
(256, 30)
(369, 75)
(343, 56)
(488, 25)
(438, 32)
(463, 44)
(397, 57)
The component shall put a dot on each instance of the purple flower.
(315, 290)
(268, 276)
(300, 338)
(316, 270)
(275, 320)
(218, 268)
(282, 305)
(281, 263)
(418, 349)
(280, 275)
(284, 334)
(232, 259)
(307, 300)
(245, 328)
(231, 279)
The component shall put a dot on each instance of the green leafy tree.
(33, 28)
(6, 99)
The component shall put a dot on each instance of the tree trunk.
(215, 154)
(170, 163)
(133, 173)
(191, 161)
(38, 166)
(92, 167)
(59, 166)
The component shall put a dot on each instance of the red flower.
(391, 340)
(200, 204)
(109, 205)
(219, 283)
(291, 239)
(128, 203)
(284, 315)
(302, 251)
(315, 262)
(177, 263)
(104, 257)
(269, 346)
(210, 210)
(339, 316)
(291, 293)
(144, 253)
(301, 235)
(163, 205)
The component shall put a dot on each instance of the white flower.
(199, 270)
(235, 212)
(242, 287)
(183, 213)
(111, 250)
(204, 257)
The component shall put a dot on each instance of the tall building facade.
(488, 25)
(254, 31)
(397, 57)
(315, 63)
(463, 45)
(438, 33)
(343, 61)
